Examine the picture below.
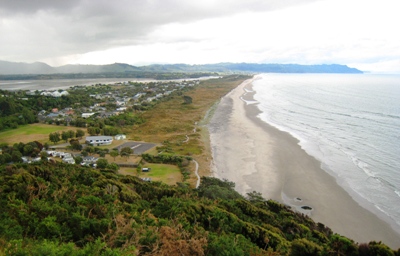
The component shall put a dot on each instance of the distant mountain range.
(18, 68)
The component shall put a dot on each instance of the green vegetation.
(60, 209)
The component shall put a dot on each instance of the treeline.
(60, 209)
(15, 112)
(15, 152)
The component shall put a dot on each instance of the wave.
(351, 127)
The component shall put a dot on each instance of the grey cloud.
(57, 28)
(17, 7)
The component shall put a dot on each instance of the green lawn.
(31, 132)
(169, 174)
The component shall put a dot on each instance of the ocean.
(350, 123)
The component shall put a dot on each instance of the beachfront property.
(99, 140)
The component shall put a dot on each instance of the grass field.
(169, 174)
(31, 132)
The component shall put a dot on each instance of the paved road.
(137, 147)
(197, 173)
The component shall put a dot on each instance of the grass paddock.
(32, 132)
(169, 174)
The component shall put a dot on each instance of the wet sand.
(259, 157)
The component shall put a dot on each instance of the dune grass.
(172, 120)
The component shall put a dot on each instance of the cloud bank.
(207, 31)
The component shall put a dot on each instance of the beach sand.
(259, 157)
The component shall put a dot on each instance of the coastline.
(259, 157)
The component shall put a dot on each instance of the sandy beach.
(259, 157)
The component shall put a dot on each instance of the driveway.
(137, 147)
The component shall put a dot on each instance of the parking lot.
(137, 147)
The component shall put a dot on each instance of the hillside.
(61, 209)
(13, 68)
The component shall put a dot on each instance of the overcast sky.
(360, 33)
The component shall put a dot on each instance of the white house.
(86, 115)
(120, 137)
(99, 140)
(121, 109)
(69, 160)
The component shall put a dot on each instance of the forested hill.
(59, 209)
(13, 68)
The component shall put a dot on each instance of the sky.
(358, 33)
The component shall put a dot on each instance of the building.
(86, 115)
(99, 140)
(89, 160)
(120, 137)
(69, 160)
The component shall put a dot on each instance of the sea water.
(350, 123)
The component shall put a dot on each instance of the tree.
(79, 133)
(102, 163)
(113, 166)
(97, 130)
(16, 156)
(305, 247)
(187, 99)
(7, 157)
(78, 159)
(75, 145)
(28, 149)
(65, 136)
(80, 122)
(126, 152)
(91, 131)
(89, 149)
(54, 137)
(71, 134)
(114, 153)
(44, 155)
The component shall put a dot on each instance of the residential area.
(104, 101)
(91, 121)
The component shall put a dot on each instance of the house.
(121, 109)
(99, 140)
(106, 114)
(88, 160)
(120, 137)
(120, 103)
(69, 160)
(86, 115)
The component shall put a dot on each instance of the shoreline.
(259, 157)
